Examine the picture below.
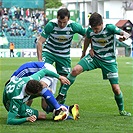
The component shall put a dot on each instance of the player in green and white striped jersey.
(102, 55)
(57, 38)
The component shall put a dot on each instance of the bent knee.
(77, 70)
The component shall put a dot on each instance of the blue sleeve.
(28, 69)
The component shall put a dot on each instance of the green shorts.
(109, 70)
(62, 64)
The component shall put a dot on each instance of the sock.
(119, 101)
(64, 88)
(50, 98)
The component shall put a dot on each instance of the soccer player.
(57, 38)
(102, 55)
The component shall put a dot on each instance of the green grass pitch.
(98, 110)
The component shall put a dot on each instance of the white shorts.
(51, 82)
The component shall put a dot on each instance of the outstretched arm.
(45, 72)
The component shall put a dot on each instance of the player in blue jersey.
(30, 68)
(102, 56)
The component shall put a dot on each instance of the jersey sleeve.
(13, 120)
(44, 72)
(13, 113)
(77, 28)
(47, 29)
(114, 29)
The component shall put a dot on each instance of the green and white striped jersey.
(59, 40)
(104, 42)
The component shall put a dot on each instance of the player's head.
(63, 16)
(96, 22)
(33, 87)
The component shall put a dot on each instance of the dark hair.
(63, 12)
(95, 20)
(34, 86)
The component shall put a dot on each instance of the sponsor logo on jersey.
(102, 42)
(62, 38)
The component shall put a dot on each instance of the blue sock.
(50, 98)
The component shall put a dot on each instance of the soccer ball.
(64, 109)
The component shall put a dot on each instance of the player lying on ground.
(19, 90)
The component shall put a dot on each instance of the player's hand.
(31, 118)
(91, 52)
(64, 80)
(121, 39)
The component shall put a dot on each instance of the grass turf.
(98, 110)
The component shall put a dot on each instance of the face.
(62, 22)
(97, 29)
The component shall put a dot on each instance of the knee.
(77, 70)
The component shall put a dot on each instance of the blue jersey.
(28, 69)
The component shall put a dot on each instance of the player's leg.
(59, 113)
(111, 72)
(83, 65)
(63, 66)
(119, 99)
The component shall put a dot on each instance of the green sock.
(64, 88)
(119, 101)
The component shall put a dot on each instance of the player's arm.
(45, 72)
(77, 28)
(124, 36)
(44, 35)
(40, 41)
(13, 118)
(87, 41)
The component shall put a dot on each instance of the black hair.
(34, 86)
(63, 12)
(95, 19)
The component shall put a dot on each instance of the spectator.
(11, 49)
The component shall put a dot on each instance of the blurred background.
(21, 22)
